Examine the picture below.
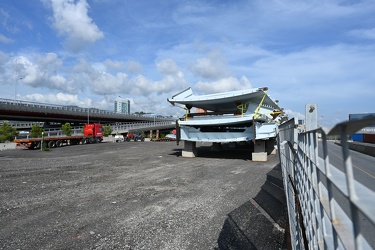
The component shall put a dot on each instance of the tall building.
(122, 106)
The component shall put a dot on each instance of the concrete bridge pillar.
(150, 133)
(157, 134)
(190, 149)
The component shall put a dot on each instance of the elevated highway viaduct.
(29, 111)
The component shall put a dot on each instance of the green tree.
(66, 129)
(7, 133)
(107, 130)
(36, 131)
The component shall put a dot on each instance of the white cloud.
(59, 99)
(133, 66)
(172, 79)
(191, 13)
(44, 72)
(211, 67)
(104, 83)
(224, 85)
(167, 67)
(112, 64)
(49, 61)
(363, 33)
(140, 85)
(293, 114)
(72, 21)
(4, 39)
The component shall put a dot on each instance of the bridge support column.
(190, 149)
(150, 134)
(157, 134)
(259, 153)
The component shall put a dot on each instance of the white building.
(122, 106)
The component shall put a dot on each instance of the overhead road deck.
(15, 110)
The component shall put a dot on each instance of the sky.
(89, 52)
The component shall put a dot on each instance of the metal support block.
(216, 147)
(259, 146)
(260, 156)
(259, 153)
(190, 149)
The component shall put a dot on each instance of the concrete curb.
(359, 147)
(7, 146)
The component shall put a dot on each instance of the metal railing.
(326, 207)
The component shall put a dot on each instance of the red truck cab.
(93, 130)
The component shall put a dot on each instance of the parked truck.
(135, 136)
(92, 133)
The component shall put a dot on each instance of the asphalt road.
(363, 165)
(364, 172)
(132, 195)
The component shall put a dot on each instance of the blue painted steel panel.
(357, 137)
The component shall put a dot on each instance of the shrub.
(7, 133)
(36, 131)
(66, 129)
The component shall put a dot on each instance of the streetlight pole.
(16, 88)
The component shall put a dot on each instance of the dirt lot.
(132, 195)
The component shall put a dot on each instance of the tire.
(58, 143)
(51, 144)
(142, 139)
(37, 145)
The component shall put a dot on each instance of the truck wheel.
(37, 145)
(142, 139)
(51, 144)
(58, 143)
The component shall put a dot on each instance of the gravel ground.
(132, 195)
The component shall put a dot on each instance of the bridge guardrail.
(327, 208)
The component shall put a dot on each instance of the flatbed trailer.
(56, 141)
(92, 133)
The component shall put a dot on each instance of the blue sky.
(88, 52)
